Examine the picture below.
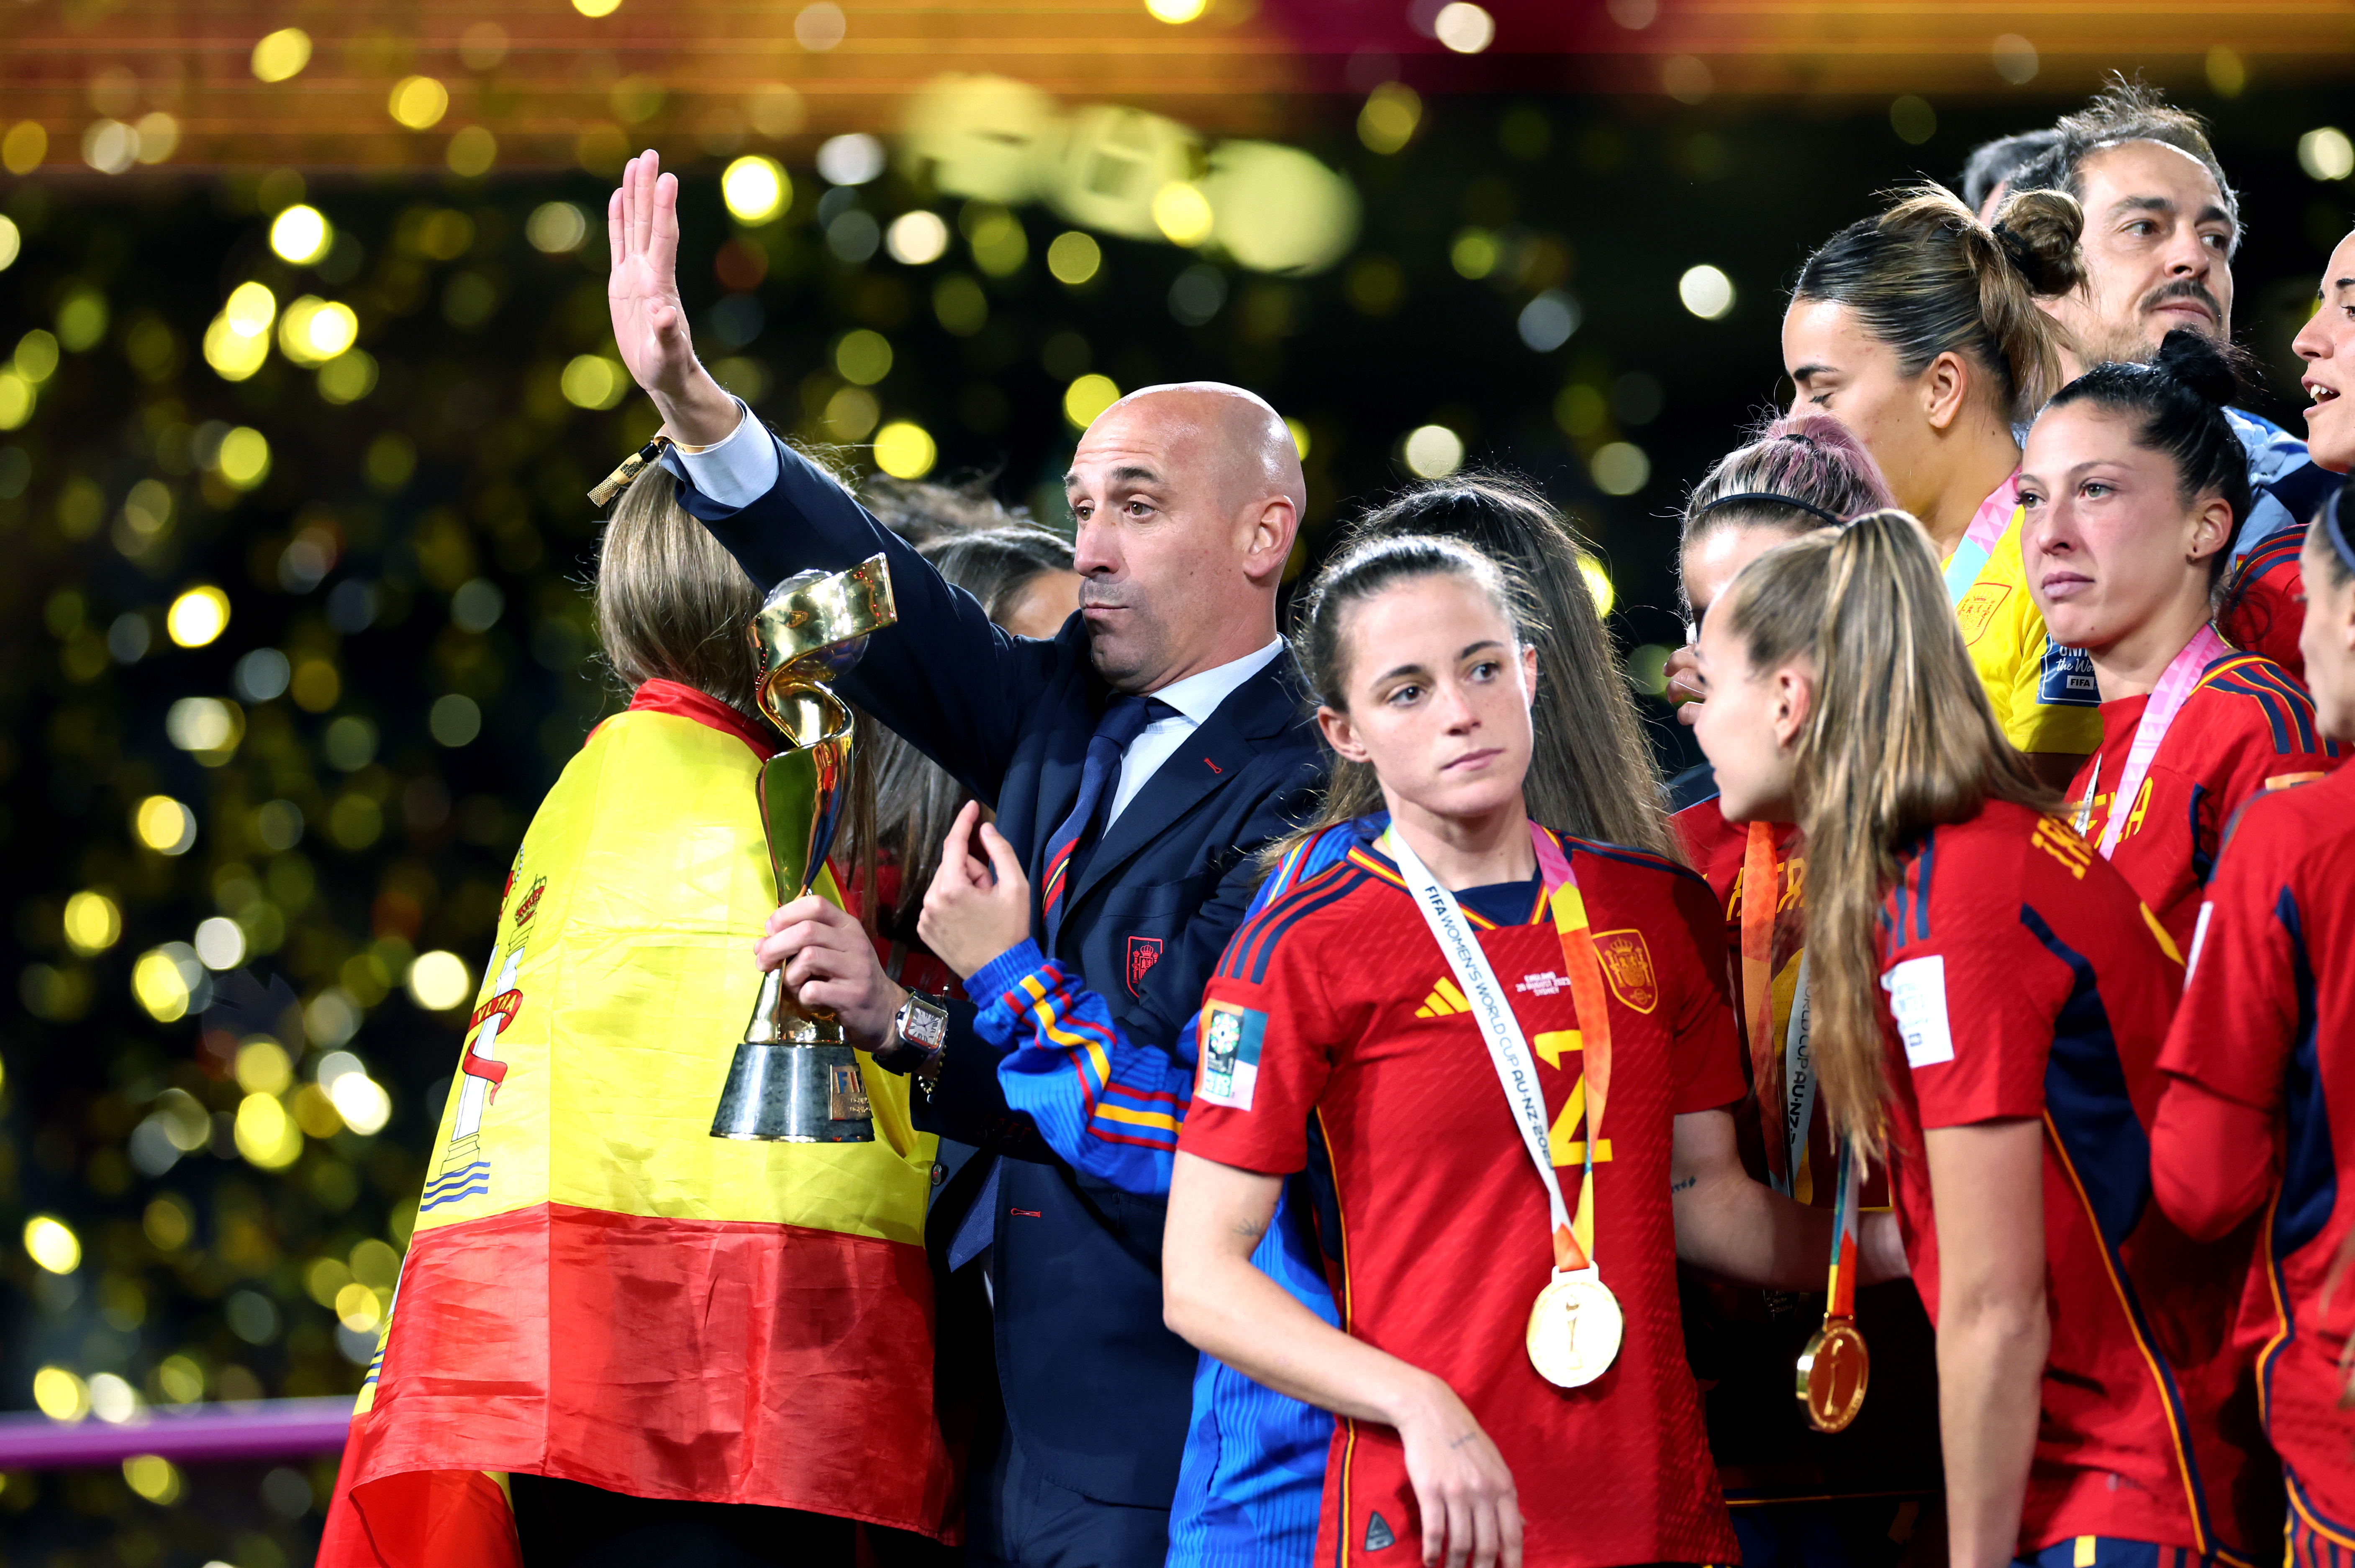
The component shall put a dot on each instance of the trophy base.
(795, 1093)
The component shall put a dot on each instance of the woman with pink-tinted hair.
(1794, 476)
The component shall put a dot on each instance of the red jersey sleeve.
(2235, 1029)
(1267, 1042)
(1972, 998)
(1707, 1041)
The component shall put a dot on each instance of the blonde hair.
(1898, 738)
(671, 603)
(1928, 278)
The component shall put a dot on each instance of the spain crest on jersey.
(1628, 967)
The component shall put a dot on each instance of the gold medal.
(1574, 1329)
(1833, 1372)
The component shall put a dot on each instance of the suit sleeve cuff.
(738, 469)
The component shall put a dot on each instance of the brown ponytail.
(1898, 738)
(1928, 278)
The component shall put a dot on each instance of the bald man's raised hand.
(649, 322)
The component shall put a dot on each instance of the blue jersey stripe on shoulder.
(1628, 855)
(2293, 696)
(2289, 727)
(1255, 945)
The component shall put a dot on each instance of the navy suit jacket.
(1097, 1390)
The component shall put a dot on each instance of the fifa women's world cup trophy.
(796, 1078)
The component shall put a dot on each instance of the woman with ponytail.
(2134, 490)
(2258, 1111)
(1798, 475)
(1921, 331)
(1987, 998)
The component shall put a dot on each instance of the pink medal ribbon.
(2167, 699)
(1987, 524)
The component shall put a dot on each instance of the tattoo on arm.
(1251, 1228)
(1685, 1185)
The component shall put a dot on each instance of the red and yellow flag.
(600, 1291)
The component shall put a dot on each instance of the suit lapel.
(1218, 749)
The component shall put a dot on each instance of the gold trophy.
(796, 1078)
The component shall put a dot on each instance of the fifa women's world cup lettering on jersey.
(2023, 979)
(1336, 1003)
(2268, 1023)
(2248, 726)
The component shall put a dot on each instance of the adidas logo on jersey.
(1444, 1000)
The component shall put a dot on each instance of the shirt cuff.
(739, 468)
(986, 984)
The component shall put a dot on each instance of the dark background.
(465, 464)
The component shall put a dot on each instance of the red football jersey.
(1337, 1001)
(2022, 977)
(2247, 727)
(2268, 1022)
(2264, 605)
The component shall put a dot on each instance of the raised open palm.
(642, 231)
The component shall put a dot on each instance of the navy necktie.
(1123, 720)
(1066, 849)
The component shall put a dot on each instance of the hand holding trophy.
(796, 1078)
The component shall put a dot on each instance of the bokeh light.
(153, 1477)
(51, 1242)
(755, 189)
(1182, 213)
(199, 614)
(904, 449)
(418, 102)
(438, 982)
(1463, 27)
(1705, 292)
(93, 922)
(555, 227)
(165, 825)
(1174, 10)
(60, 1396)
(1598, 583)
(1620, 468)
(1074, 258)
(863, 356)
(1388, 120)
(301, 234)
(1088, 397)
(595, 381)
(1432, 452)
(917, 238)
(282, 54)
(2326, 154)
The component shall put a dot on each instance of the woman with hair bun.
(2258, 1114)
(2133, 489)
(1921, 331)
(1987, 999)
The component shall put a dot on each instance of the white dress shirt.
(1195, 698)
(738, 468)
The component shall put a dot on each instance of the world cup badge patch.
(1144, 952)
(2066, 678)
(1230, 1042)
(1627, 965)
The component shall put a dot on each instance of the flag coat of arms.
(597, 1288)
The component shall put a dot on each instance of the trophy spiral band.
(795, 1077)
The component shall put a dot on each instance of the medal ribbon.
(1987, 524)
(2167, 699)
(1842, 1288)
(1508, 1048)
(1761, 895)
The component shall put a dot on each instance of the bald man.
(1135, 763)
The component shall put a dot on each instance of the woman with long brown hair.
(1987, 1001)
(1921, 330)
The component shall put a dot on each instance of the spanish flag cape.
(598, 1289)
